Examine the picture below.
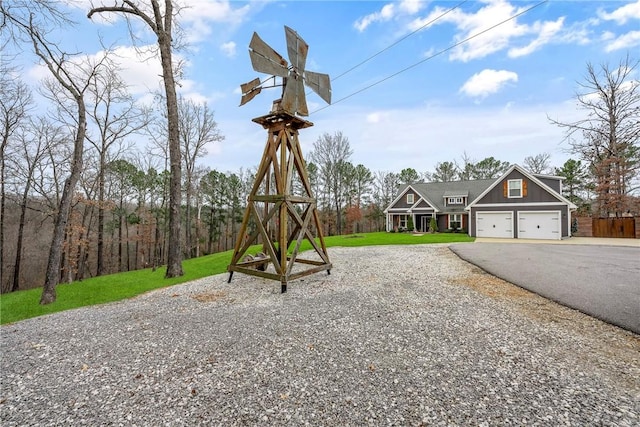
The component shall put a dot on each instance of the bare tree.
(385, 187)
(607, 138)
(15, 101)
(161, 23)
(35, 141)
(331, 153)
(73, 79)
(116, 117)
(465, 171)
(538, 163)
(197, 129)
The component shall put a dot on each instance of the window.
(515, 188)
(410, 198)
(455, 221)
(455, 201)
(403, 222)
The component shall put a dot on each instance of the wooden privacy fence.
(614, 227)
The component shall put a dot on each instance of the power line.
(401, 39)
(433, 56)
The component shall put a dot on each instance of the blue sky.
(489, 96)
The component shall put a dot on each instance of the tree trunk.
(126, 227)
(137, 248)
(211, 230)
(120, 263)
(174, 255)
(187, 224)
(83, 247)
(100, 255)
(55, 253)
(18, 261)
(2, 212)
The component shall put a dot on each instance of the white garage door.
(494, 224)
(539, 225)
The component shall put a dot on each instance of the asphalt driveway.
(602, 281)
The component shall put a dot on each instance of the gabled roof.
(529, 176)
(422, 198)
(434, 193)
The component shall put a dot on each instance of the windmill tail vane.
(265, 59)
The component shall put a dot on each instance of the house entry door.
(424, 223)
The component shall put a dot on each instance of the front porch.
(400, 221)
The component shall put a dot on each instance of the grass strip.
(22, 305)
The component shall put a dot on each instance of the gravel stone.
(395, 335)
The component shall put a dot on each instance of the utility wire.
(402, 39)
(433, 56)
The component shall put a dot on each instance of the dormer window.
(515, 188)
(455, 200)
(410, 199)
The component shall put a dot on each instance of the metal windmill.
(266, 60)
(281, 210)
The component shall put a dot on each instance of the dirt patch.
(212, 296)
(606, 341)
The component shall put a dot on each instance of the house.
(518, 204)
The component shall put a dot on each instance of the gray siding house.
(519, 204)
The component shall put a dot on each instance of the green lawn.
(99, 290)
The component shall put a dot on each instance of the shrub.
(433, 225)
(410, 224)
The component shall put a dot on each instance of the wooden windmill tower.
(281, 209)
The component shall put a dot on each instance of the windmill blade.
(249, 96)
(294, 100)
(319, 83)
(250, 90)
(266, 60)
(297, 49)
(249, 86)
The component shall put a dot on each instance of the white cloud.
(411, 6)
(376, 117)
(386, 13)
(140, 68)
(229, 49)
(625, 41)
(487, 82)
(470, 24)
(493, 12)
(607, 35)
(546, 32)
(623, 14)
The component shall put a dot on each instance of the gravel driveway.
(398, 335)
